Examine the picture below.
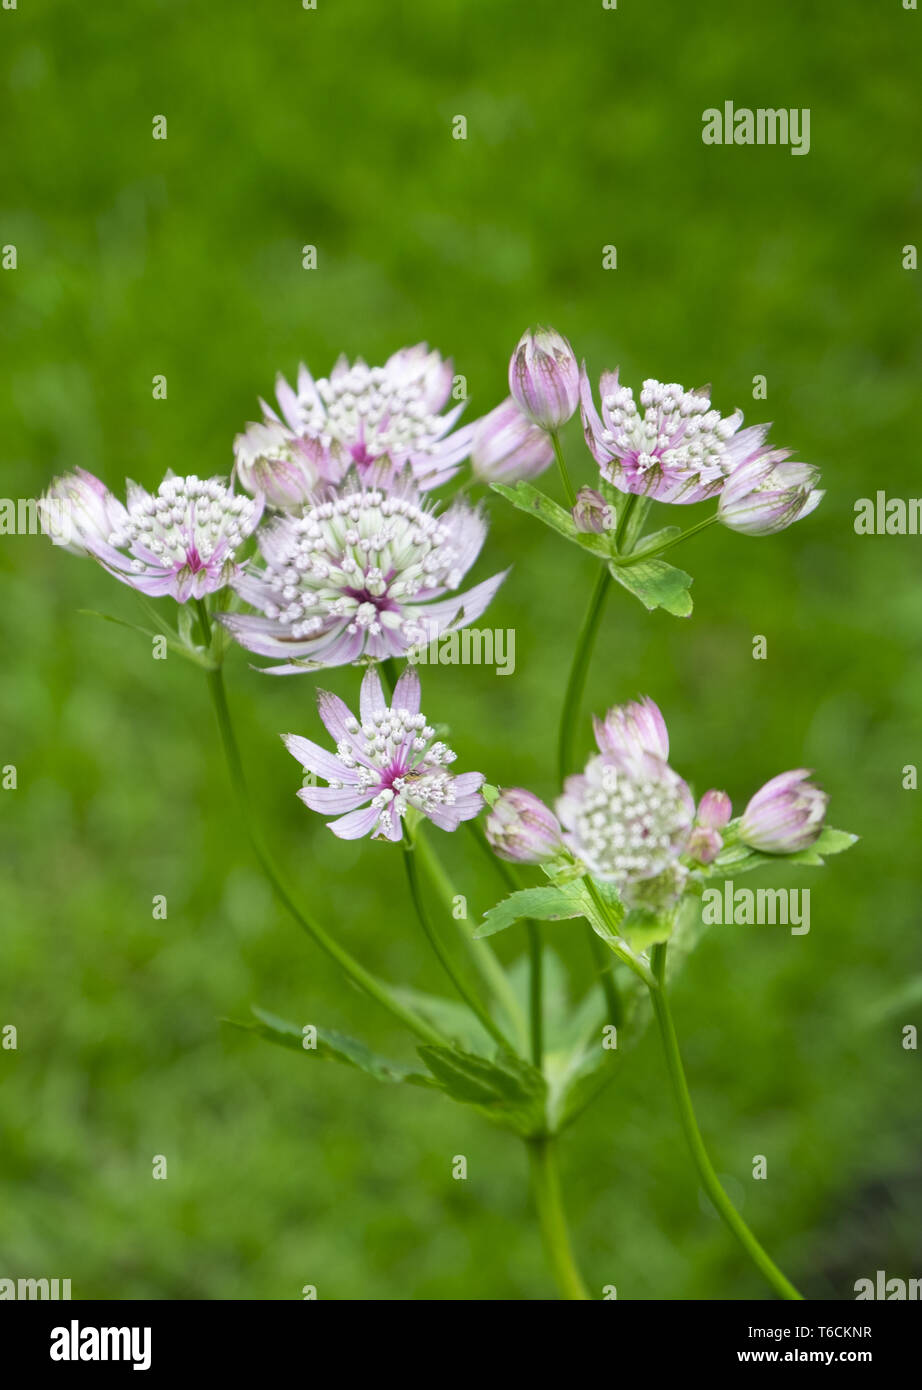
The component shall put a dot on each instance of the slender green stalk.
(562, 468)
(641, 554)
(367, 982)
(621, 531)
(535, 990)
(618, 948)
(569, 715)
(536, 972)
(709, 1178)
(480, 953)
(549, 1203)
(470, 999)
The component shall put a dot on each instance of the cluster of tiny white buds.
(394, 413)
(678, 427)
(186, 519)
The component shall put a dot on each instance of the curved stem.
(480, 953)
(562, 468)
(367, 982)
(569, 715)
(709, 1179)
(549, 1203)
(472, 1002)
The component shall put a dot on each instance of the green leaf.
(331, 1046)
(547, 903)
(655, 540)
(506, 1089)
(737, 858)
(834, 841)
(450, 1017)
(656, 584)
(526, 498)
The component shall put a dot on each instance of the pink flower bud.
(633, 729)
(519, 827)
(507, 446)
(785, 816)
(544, 378)
(591, 512)
(714, 810)
(272, 463)
(79, 513)
(767, 494)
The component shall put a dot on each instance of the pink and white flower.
(387, 762)
(673, 448)
(182, 540)
(363, 416)
(360, 574)
(628, 815)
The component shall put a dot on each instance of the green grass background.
(137, 257)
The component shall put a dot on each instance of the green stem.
(372, 986)
(562, 468)
(639, 555)
(623, 521)
(535, 987)
(549, 1203)
(480, 953)
(536, 975)
(709, 1178)
(472, 1002)
(569, 715)
(620, 947)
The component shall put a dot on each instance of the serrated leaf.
(547, 903)
(656, 584)
(833, 841)
(506, 1089)
(331, 1046)
(528, 499)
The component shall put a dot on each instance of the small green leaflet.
(331, 1046)
(507, 1089)
(548, 903)
(656, 584)
(738, 858)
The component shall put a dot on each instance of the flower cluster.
(629, 819)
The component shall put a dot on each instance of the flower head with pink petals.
(387, 762)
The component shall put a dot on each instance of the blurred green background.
(139, 257)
